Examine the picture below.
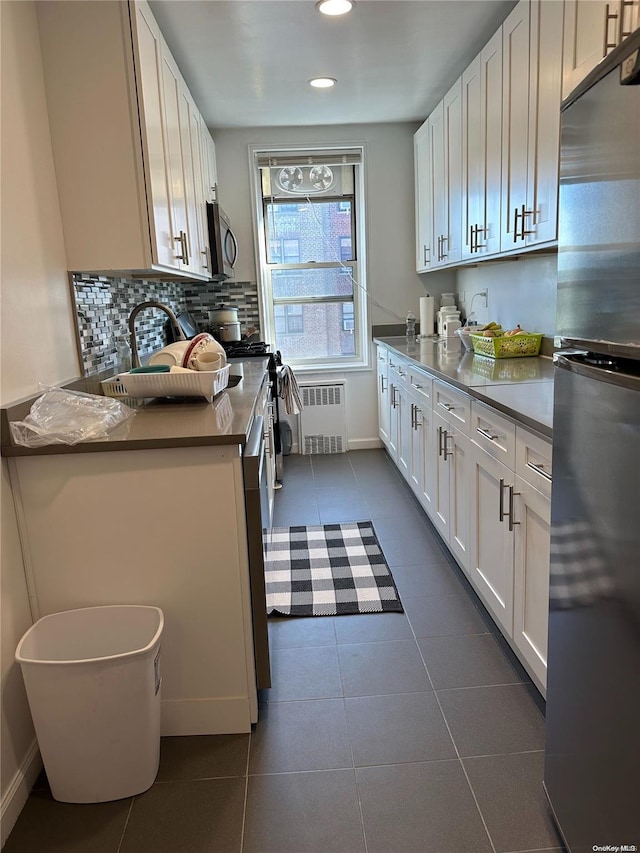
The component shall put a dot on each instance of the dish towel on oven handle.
(289, 391)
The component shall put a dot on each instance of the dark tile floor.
(385, 733)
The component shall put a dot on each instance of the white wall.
(390, 231)
(522, 291)
(38, 343)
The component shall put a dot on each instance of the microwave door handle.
(232, 259)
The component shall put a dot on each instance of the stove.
(245, 349)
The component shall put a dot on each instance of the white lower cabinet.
(399, 424)
(450, 428)
(485, 483)
(382, 361)
(510, 542)
(421, 455)
(531, 577)
(492, 490)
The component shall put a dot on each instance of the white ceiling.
(247, 63)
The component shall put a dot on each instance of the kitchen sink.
(233, 380)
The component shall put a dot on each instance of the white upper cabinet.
(481, 152)
(532, 50)
(515, 125)
(209, 162)
(445, 143)
(543, 150)
(438, 183)
(452, 241)
(129, 170)
(493, 145)
(592, 28)
(423, 200)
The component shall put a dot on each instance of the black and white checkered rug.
(327, 570)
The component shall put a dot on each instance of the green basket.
(512, 346)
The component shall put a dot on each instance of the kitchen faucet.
(178, 334)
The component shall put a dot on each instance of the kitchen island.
(155, 514)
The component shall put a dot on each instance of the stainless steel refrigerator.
(592, 761)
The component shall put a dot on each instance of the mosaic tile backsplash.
(103, 306)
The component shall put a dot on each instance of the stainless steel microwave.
(222, 242)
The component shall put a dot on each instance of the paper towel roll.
(426, 316)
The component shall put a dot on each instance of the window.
(345, 249)
(284, 251)
(289, 320)
(310, 212)
(347, 318)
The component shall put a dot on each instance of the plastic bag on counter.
(68, 417)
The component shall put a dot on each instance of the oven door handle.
(253, 455)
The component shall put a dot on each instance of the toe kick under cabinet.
(163, 527)
(485, 483)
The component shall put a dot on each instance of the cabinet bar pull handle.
(480, 231)
(447, 453)
(539, 469)
(525, 212)
(426, 249)
(516, 214)
(439, 441)
(187, 249)
(417, 422)
(501, 502)
(182, 256)
(512, 523)
(417, 387)
(486, 434)
(471, 239)
(443, 241)
(382, 384)
(622, 32)
(608, 17)
(413, 426)
(447, 406)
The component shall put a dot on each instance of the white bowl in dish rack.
(192, 383)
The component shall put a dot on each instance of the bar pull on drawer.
(486, 434)
(447, 406)
(501, 501)
(539, 469)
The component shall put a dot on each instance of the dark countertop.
(163, 422)
(521, 388)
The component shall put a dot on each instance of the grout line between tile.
(246, 793)
(455, 746)
(126, 824)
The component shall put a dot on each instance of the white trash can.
(93, 683)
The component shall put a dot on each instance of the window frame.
(357, 268)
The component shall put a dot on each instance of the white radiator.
(323, 423)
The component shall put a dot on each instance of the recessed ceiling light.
(323, 82)
(335, 7)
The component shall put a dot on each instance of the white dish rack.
(196, 383)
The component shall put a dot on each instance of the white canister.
(450, 326)
(444, 313)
